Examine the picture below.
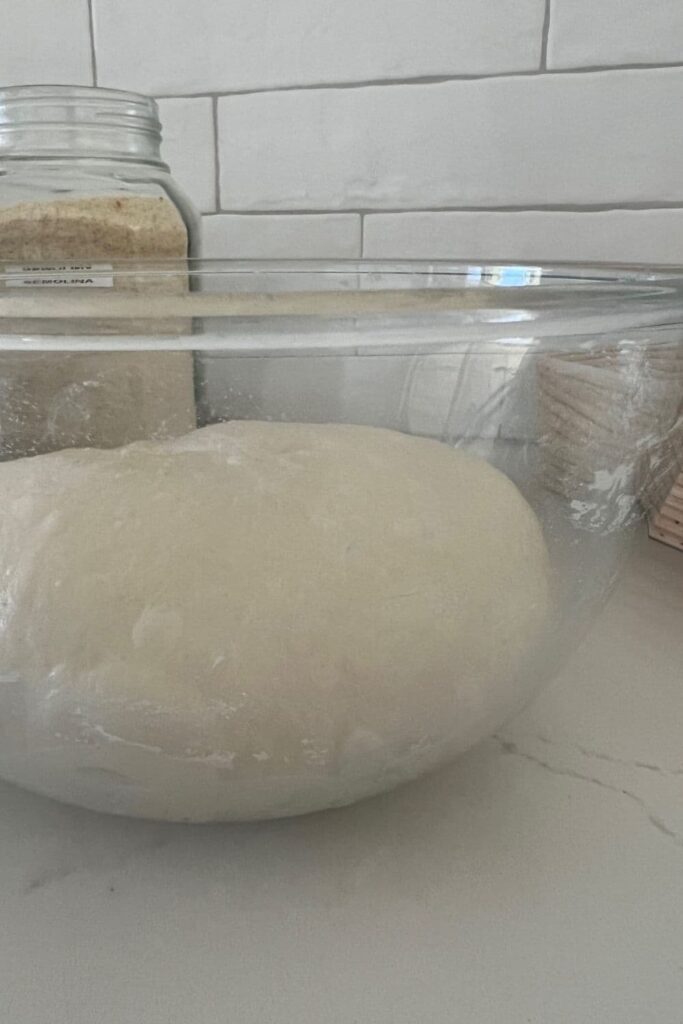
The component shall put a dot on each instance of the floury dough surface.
(258, 619)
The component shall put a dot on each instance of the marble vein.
(511, 748)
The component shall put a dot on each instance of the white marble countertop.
(537, 881)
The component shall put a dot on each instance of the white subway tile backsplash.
(282, 236)
(455, 153)
(188, 147)
(219, 46)
(632, 236)
(612, 32)
(44, 42)
(603, 138)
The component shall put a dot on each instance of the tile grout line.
(93, 51)
(363, 212)
(544, 37)
(423, 80)
(216, 155)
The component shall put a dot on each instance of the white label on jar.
(59, 275)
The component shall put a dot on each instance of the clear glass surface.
(66, 143)
(567, 380)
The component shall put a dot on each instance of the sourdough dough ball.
(258, 619)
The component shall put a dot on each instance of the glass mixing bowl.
(262, 619)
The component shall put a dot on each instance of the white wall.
(525, 129)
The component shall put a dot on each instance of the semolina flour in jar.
(50, 401)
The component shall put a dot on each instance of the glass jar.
(81, 174)
(82, 187)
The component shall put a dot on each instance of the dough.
(258, 619)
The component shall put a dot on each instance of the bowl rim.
(351, 305)
(475, 272)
